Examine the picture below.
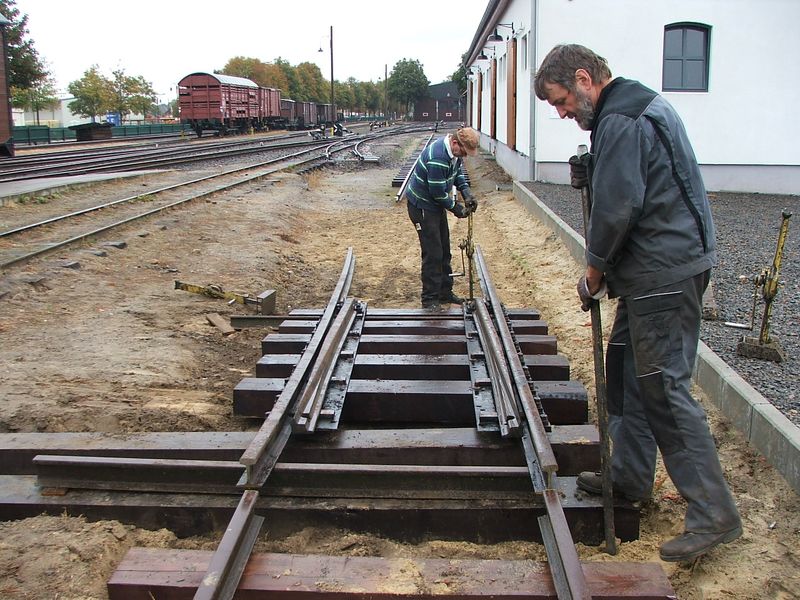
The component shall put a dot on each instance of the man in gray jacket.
(650, 242)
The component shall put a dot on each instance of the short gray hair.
(560, 64)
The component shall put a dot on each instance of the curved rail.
(404, 185)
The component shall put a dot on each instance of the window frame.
(683, 27)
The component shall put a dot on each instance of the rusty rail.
(568, 576)
(262, 453)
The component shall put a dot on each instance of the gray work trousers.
(649, 362)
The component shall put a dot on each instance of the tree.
(261, 73)
(130, 94)
(312, 83)
(93, 93)
(459, 77)
(42, 95)
(407, 82)
(25, 68)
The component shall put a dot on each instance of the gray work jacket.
(650, 223)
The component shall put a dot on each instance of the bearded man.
(650, 243)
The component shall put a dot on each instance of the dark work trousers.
(650, 358)
(434, 241)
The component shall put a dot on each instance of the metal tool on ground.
(765, 283)
(265, 301)
(600, 387)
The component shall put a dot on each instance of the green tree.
(459, 76)
(25, 68)
(344, 96)
(242, 66)
(42, 95)
(131, 94)
(312, 83)
(263, 74)
(94, 94)
(373, 94)
(407, 83)
(293, 89)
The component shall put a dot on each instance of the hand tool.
(600, 387)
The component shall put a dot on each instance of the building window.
(686, 52)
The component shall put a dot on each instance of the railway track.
(20, 244)
(460, 424)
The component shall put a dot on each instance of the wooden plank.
(405, 519)
(220, 323)
(572, 444)
(176, 574)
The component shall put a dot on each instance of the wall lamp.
(482, 55)
(496, 38)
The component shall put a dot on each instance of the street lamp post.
(333, 101)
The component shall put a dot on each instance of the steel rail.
(53, 246)
(404, 185)
(230, 558)
(263, 452)
(568, 576)
(261, 455)
(143, 160)
(569, 579)
(502, 389)
(310, 402)
(151, 193)
(544, 452)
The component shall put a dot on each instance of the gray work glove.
(587, 298)
(470, 201)
(461, 211)
(579, 170)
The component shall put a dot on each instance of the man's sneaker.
(690, 545)
(451, 298)
(431, 305)
(592, 482)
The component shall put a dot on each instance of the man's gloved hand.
(470, 201)
(587, 298)
(461, 211)
(579, 170)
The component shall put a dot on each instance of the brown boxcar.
(325, 114)
(224, 103)
(270, 104)
(308, 112)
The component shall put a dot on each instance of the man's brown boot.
(690, 545)
(592, 482)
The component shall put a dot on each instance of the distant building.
(62, 116)
(443, 103)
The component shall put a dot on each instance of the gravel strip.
(747, 237)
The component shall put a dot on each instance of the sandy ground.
(113, 347)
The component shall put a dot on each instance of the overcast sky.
(164, 41)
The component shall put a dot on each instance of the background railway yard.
(96, 339)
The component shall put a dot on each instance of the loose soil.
(112, 347)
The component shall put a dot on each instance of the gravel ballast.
(747, 237)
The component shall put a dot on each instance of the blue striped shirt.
(435, 173)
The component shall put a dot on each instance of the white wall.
(744, 118)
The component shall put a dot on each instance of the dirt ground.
(113, 347)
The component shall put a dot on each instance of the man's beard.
(584, 114)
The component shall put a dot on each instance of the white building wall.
(742, 129)
(743, 120)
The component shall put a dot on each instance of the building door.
(511, 94)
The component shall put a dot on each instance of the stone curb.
(764, 426)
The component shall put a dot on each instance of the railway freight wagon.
(325, 114)
(225, 103)
(298, 115)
